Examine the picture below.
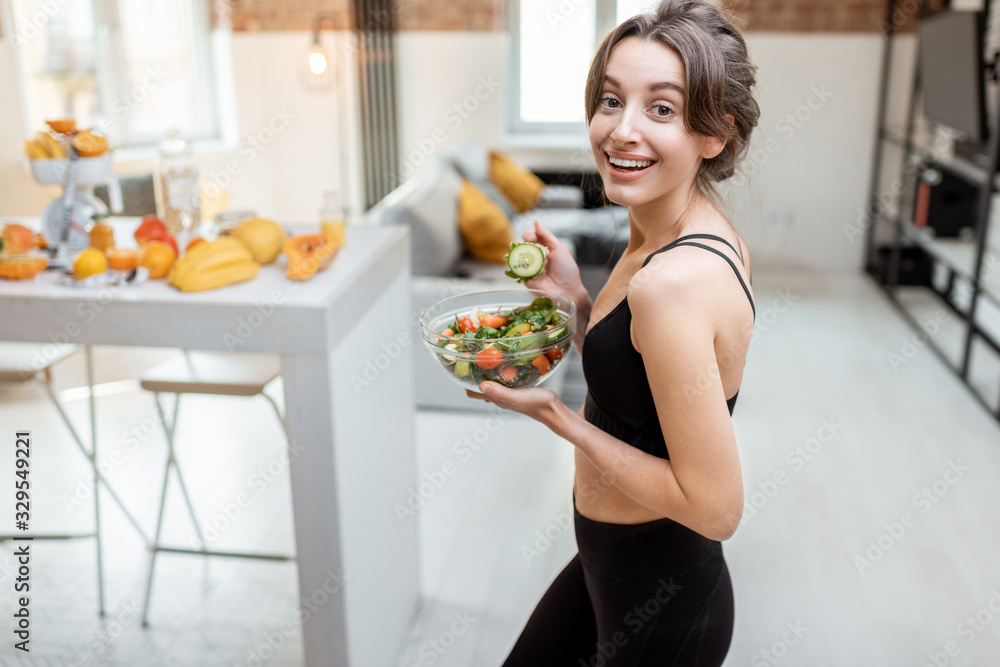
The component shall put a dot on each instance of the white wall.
(813, 181)
(286, 179)
(438, 71)
(808, 171)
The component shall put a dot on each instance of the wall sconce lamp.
(318, 70)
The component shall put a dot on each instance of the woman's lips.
(625, 174)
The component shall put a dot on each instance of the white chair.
(21, 363)
(215, 373)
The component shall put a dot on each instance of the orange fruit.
(89, 262)
(156, 257)
(88, 144)
(122, 259)
(62, 125)
(102, 236)
(193, 242)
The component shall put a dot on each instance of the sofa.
(428, 203)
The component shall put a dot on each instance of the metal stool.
(195, 372)
(32, 362)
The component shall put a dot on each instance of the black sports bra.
(619, 400)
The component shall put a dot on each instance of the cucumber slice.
(520, 330)
(526, 260)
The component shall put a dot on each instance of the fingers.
(540, 235)
(488, 386)
(546, 237)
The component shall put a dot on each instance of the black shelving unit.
(891, 237)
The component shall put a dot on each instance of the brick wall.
(755, 15)
(253, 15)
(825, 16)
(810, 15)
(488, 15)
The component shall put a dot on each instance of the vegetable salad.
(508, 346)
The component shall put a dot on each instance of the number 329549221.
(22, 485)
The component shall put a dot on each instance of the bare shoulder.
(692, 285)
(682, 271)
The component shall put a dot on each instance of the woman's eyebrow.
(668, 85)
(653, 87)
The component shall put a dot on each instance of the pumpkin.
(22, 267)
(309, 253)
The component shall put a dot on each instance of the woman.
(658, 483)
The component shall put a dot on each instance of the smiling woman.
(658, 484)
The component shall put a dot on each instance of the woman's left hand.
(535, 402)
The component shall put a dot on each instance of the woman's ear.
(714, 145)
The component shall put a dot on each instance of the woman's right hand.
(562, 276)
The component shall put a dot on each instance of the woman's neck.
(655, 224)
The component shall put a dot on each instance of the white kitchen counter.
(356, 436)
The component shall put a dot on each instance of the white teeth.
(618, 162)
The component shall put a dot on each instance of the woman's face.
(643, 150)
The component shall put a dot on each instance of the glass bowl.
(523, 351)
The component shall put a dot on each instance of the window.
(553, 44)
(132, 70)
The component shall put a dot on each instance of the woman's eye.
(662, 110)
(610, 102)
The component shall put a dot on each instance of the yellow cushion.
(484, 227)
(518, 184)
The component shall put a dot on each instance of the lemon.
(89, 262)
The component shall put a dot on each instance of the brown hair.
(720, 76)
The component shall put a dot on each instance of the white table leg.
(351, 435)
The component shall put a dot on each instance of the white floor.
(823, 375)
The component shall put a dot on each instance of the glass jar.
(176, 186)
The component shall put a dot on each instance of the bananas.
(230, 274)
(43, 147)
(263, 237)
(213, 264)
(34, 151)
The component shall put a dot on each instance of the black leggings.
(640, 595)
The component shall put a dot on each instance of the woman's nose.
(626, 131)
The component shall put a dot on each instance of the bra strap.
(735, 270)
(692, 236)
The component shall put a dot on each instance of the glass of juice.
(122, 261)
(332, 216)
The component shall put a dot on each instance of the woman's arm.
(678, 307)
